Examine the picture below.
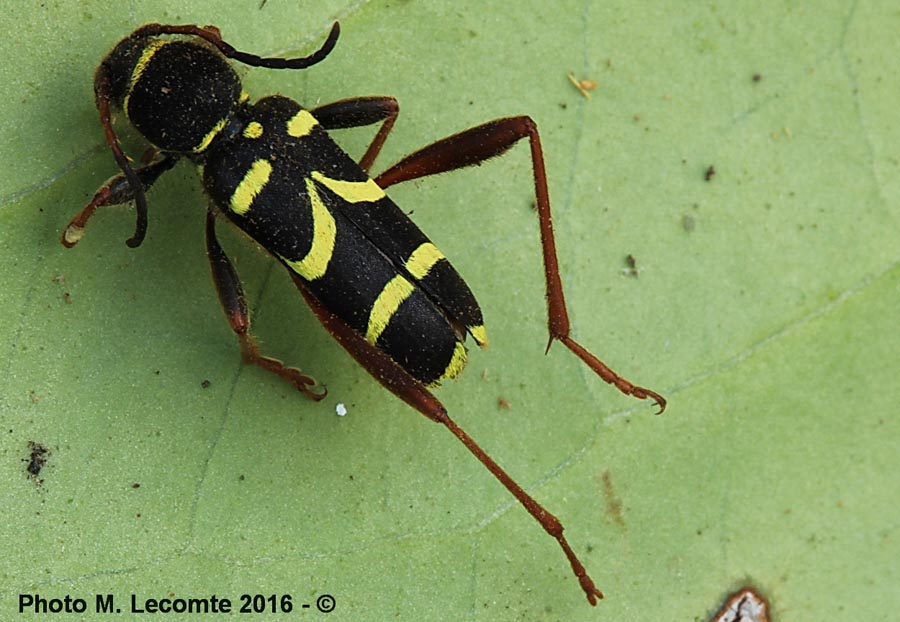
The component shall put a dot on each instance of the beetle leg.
(399, 382)
(231, 295)
(103, 100)
(118, 189)
(474, 146)
(357, 112)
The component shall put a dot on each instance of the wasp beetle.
(377, 284)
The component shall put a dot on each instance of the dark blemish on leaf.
(710, 173)
(205, 384)
(36, 461)
(631, 268)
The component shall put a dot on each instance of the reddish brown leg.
(358, 112)
(102, 97)
(231, 295)
(116, 190)
(481, 143)
(396, 380)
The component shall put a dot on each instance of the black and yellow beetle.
(378, 285)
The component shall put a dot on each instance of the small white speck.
(341, 410)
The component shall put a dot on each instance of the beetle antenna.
(212, 34)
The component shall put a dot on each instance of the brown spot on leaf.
(613, 503)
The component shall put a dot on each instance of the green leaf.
(763, 308)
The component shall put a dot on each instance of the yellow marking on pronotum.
(254, 129)
(141, 66)
(316, 261)
(389, 300)
(209, 137)
(251, 185)
(353, 191)
(301, 124)
(456, 364)
(479, 334)
(422, 260)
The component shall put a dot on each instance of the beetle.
(375, 281)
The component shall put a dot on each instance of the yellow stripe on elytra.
(301, 124)
(422, 260)
(389, 300)
(456, 364)
(479, 334)
(209, 137)
(316, 261)
(254, 129)
(251, 185)
(353, 191)
(141, 66)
